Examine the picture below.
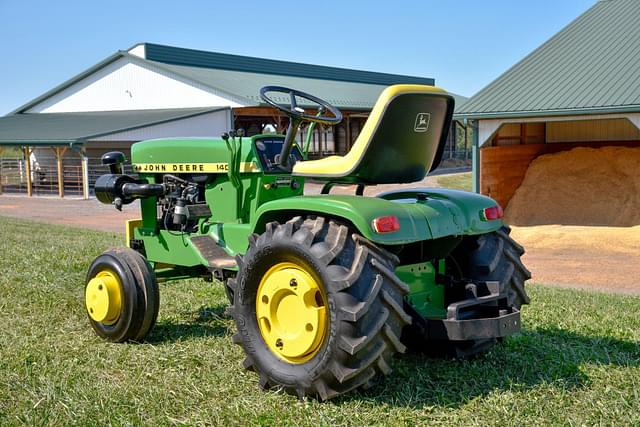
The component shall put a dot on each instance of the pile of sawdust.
(584, 186)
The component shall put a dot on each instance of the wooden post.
(27, 164)
(85, 174)
(59, 151)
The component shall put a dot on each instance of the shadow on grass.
(207, 322)
(550, 356)
(543, 356)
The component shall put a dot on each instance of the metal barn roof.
(590, 66)
(241, 77)
(224, 61)
(70, 128)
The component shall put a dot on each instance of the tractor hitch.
(479, 317)
(483, 314)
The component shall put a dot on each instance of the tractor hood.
(186, 155)
(423, 214)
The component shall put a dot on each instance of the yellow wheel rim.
(291, 312)
(103, 297)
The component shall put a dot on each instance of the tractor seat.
(402, 140)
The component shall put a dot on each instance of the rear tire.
(486, 257)
(363, 304)
(493, 256)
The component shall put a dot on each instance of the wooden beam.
(85, 174)
(59, 151)
(256, 111)
(27, 163)
(271, 112)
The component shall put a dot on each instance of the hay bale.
(583, 186)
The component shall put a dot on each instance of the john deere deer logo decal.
(422, 122)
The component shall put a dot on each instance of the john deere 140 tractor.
(324, 289)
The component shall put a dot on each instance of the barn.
(155, 91)
(581, 88)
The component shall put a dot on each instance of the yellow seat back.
(402, 140)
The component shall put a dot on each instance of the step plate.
(213, 253)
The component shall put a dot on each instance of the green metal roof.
(246, 86)
(223, 61)
(71, 128)
(591, 66)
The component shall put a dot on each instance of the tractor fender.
(357, 210)
(449, 212)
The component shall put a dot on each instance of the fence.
(13, 178)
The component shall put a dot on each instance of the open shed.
(581, 88)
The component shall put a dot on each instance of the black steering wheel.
(294, 111)
(297, 115)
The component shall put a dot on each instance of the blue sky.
(463, 44)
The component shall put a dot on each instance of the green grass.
(576, 362)
(458, 181)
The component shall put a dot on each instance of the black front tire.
(139, 291)
(364, 300)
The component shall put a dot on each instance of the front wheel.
(121, 295)
(318, 308)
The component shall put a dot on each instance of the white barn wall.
(205, 125)
(139, 50)
(126, 84)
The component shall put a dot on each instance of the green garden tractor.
(324, 289)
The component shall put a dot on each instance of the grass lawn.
(457, 181)
(577, 361)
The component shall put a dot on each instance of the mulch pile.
(583, 186)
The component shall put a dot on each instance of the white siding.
(139, 50)
(211, 125)
(126, 84)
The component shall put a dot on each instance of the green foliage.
(11, 153)
(456, 181)
(462, 143)
(576, 363)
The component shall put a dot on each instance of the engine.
(178, 198)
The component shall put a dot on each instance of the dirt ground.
(600, 258)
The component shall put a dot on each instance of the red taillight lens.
(492, 213)
(386, 224)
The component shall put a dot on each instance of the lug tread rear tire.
(488, 257)
(496, 257)
(364, 300)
